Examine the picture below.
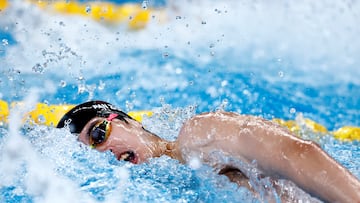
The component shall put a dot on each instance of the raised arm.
(305, 163)
(276, 150)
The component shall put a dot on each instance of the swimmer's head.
(106, 128)
(81, 114)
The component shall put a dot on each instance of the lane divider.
(49, 115)
(133, 15)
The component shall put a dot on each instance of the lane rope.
(49, 115)
(134, 16)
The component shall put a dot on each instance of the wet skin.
(277, 152)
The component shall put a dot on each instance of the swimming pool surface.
(281, 60)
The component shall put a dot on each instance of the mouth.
(129, 156)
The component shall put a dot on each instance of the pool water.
(289, 60)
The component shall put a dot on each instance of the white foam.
(19, 158)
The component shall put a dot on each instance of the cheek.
(120, 138)
(83, 138)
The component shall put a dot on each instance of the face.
(127, 141)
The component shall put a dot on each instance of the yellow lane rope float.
(134, 15)
(49, 115)
(3, 5)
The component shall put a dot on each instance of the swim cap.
(81, 114)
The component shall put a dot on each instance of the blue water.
(284, 60)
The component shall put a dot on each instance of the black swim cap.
(80, 115)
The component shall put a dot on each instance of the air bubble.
(292, 110)
(281, 74)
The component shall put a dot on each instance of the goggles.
(99, 133)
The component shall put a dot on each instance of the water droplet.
(165, 54)
(118, 93)
(41, 119)
(62, 83)
(195, 163)
(217, 10)
(5, 42)
(88, 9)
(246, 92)
(203, 22)
(178, 70)
(38, 68)
(81, 88)
(80, 77)
(101, 85)
(281, 74)
(144, 4)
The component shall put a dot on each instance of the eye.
(99, 133)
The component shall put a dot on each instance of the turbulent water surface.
(281, 59)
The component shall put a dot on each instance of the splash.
(274, 59)
(24, 171)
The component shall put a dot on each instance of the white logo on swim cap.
(67, 122)
(100, 106)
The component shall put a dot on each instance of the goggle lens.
(101, 131)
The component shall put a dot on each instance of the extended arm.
(303, 162)
(276, 151)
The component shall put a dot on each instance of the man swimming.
(276, 152)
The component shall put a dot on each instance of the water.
(277, 60)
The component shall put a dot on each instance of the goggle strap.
(112, 116)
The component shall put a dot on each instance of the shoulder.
(221, 117)
(210, 123)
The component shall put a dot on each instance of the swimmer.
(276, 151)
